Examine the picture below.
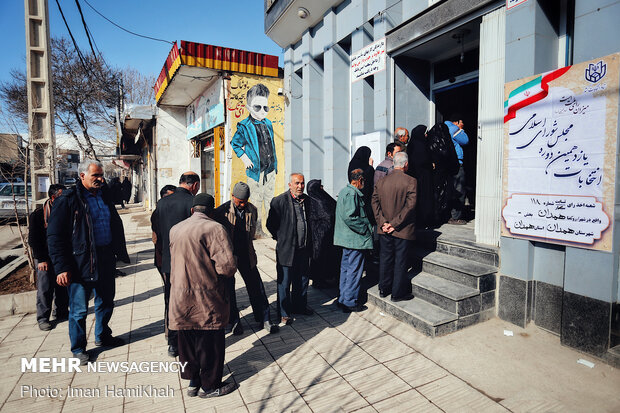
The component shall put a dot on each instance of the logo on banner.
(595, 72)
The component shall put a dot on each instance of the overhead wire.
(90, 42)
(77, 49)
(124, 29)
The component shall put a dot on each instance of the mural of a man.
(254, 145)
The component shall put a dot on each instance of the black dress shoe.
(110, 342)
(83, 357)
(403, 298)
(224, 389)
(237, 329)
(173, 351)
(192, 391)
(384, 294)
(45, 326)
(354, 309)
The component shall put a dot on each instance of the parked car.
(6, 199)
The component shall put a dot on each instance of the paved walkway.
(329, 362)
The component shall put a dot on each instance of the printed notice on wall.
(560, 132)
(513, 3)
(368, 61)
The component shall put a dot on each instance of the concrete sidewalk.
(331, 361)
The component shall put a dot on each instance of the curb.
(22, 303)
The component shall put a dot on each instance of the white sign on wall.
(368, 61)
(512, 3)
(373, 141)
(559, 155)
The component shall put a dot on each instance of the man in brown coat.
(393, 203)
(201, 261)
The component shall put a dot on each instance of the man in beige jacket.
(201, 261)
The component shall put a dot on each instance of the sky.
(237, 24)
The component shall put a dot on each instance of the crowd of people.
(77, 237)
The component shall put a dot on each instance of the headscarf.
(315, 191)
(418, 133)
(360, 159)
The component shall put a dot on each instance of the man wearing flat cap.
(239, 217)
(202, 261)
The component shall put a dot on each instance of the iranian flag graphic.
(530, 92)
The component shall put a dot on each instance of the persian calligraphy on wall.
(206, 112)
(255, 118)
(368, 61)
(560, 132)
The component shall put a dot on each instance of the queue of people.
(199, 248)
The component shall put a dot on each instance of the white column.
(490, 127)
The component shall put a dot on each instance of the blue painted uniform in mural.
(250, 141)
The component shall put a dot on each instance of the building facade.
(355, 70)
(220, 113)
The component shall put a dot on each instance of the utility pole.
(42, 140)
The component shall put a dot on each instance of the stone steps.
(423, 316)
(458, 245)
(456, 298)
(453, 283)
(460, 270)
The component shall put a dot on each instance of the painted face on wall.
(258, 107)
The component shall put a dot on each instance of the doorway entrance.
(462, 98)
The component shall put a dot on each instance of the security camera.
(280, 92)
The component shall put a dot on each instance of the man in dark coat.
(393, 203)
(289, 225)
(239, 217)
(164, 192)
(85, 237)
(47, 289)
(171, 210)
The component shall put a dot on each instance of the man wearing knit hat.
(239, 217)
(201, 262)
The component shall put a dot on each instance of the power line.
(90, 42)
(122, 28)
(77, 49)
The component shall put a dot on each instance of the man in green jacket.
(353, 232)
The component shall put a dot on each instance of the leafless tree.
(85, 93)
(138, 88)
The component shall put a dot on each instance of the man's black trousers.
(203, 350)
(256, 292)
(172, 334)
(393, 266)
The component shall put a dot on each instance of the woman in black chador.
(361, 160)
(421, 168)
(443, 156)
(324, 265)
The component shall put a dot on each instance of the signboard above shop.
(368, 61)
(206, 112)
(560, 131)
